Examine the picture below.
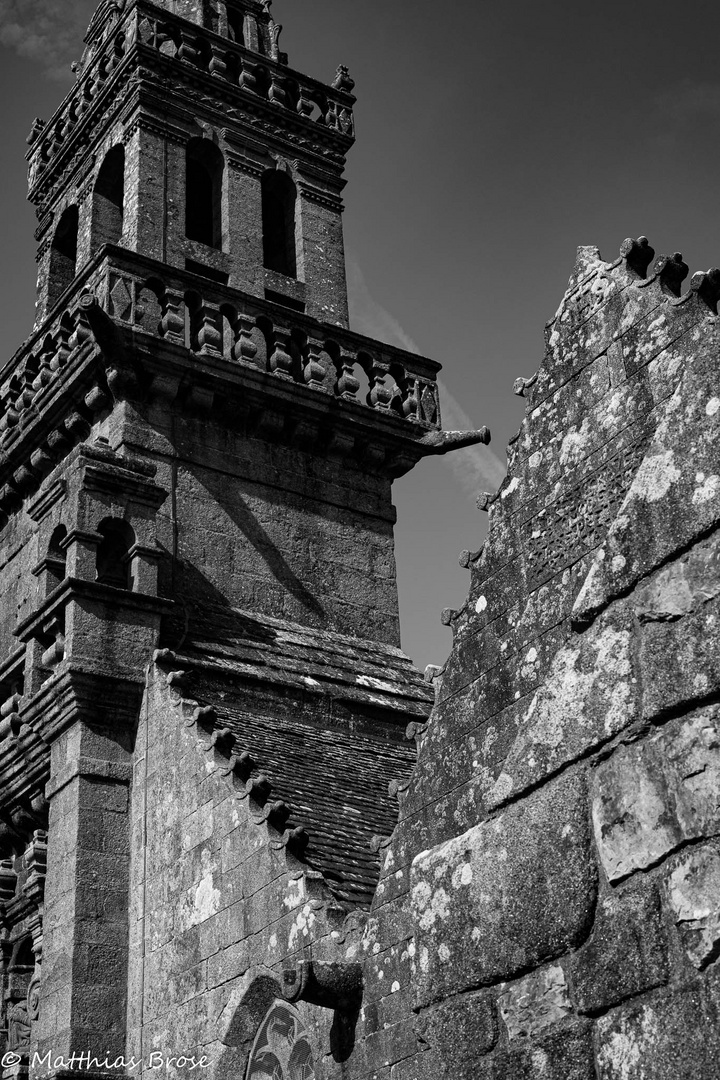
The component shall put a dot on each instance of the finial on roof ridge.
(342, 80)
(706, 283)
(671, 271)
(638, 254)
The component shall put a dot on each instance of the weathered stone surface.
(485, 905)
(650, 797)
(564, 1055)
(662, 1038)
(679, 663)
(280, 504)
(682, 586)
(693, 892)
(535, 1003)
(675, 495)
(625, 955)
(589, 695)
(460, 1030)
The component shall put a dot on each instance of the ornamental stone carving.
(281, 1050)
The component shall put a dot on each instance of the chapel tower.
(196, 461)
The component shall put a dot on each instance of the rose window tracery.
(281, 1050)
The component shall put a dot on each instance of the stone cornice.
(82, 694)
(76, 588)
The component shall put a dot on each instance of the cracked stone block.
(535, 1003)
(675, 495)
(485, 904)
(683, 586)
(564, 1055)
(651, 797)
(625, 955)
(591, 692)
(460, 1030)
(675, 1037)
(693, 892)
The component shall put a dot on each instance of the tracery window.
(281, 1050)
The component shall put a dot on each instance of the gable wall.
(548, 905)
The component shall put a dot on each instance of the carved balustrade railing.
(39, 366)
(261, 77)
(214, 321)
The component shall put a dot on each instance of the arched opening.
(57, 556)
(281, 1050)
(205, 167)
(278, 221)
(63, 255)
(113, 554)
(108, 200)
(236, 30)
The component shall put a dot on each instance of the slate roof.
(324, 718)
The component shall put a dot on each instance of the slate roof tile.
(329, 735)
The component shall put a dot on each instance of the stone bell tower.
(191, 439)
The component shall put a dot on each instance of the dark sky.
(493, 139)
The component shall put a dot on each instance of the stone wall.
(217, 902)
(549, 904)
(275, 529)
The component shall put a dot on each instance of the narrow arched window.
(63, 255)
(108, 200)
(281, 1050)
(236, 29)
(56, 556)
(205, 167)
(113, 553)
(278, 221)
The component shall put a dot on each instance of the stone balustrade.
(215, 320)
(211, 320)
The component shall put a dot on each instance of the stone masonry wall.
(549, 901)
(216, 900)
(275, 529)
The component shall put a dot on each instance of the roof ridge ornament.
(342, 80)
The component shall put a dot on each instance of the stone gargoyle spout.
(442, 442)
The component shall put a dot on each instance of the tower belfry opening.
(205, 167)
(279, 223)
